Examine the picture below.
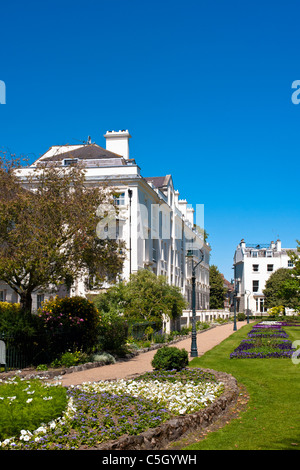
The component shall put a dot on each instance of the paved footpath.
(141, 363)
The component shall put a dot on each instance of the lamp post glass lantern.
(194, 350)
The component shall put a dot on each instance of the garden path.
(206, 340)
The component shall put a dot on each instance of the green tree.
(145, 297)
(281, 289)
(217, 290)
(48, 229)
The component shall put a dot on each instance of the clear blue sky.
(204, 88)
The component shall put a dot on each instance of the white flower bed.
(177, 397)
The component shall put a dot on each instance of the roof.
(85, 152)
(93, 153)
(159, 181)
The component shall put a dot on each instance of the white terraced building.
(157, 226)
(253, 265)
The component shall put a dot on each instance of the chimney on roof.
(278, 245)
(118, 142)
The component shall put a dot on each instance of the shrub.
(159, 338)
(72, 323)
(69, 359)
(241, 316)
(104, 357)
(170, 358)
(113, 331)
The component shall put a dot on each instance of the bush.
(104, 357)
(113, 331)
(71, 322)
(241, 316)
(170, 358)
(69, 359)
(15, 322)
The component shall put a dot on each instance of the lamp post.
(235, 292)
(247, 292)
(194, 350)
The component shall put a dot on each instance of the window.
(270, 267)
(39, 300)
(70, 161)
(254, 254)
(255, 267)
(2, 296)
(255, 286)
(290, 263)
(119, 200)
(260, 305)
(269, 254)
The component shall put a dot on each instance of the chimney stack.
(118, 142)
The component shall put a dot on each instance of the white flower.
(29, 400)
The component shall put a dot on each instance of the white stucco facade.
(159, 227)
(253, 265)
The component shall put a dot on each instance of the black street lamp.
(194, 350)
(235, 293)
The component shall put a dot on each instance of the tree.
(281, 289)
(48, 229)
(217, 290)
(145, 297)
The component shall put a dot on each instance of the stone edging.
(175, 428)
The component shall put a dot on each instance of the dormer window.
(70, 161)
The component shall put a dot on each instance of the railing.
(21, 354)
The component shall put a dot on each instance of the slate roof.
(85, 152)
(159, 181)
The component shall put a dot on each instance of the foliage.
(276, 311)
(113, 332)
(145, 297)
(25, 404)
(104, 357)
(107, 410)
(169, 358)
(278, 292)
(71, 323)
(241, 316)
(217, 290)
(48, 229)
(69, 359)
(23, 327)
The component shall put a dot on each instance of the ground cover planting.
(107, 410)
(265, 340)
(24, 404)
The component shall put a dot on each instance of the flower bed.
(265, 340)
(105, 411)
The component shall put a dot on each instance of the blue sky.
(203, 87)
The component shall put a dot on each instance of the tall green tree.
(48, 229)
(217, 290)
(145, 297)
(281, 289)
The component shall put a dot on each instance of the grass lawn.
(272, 417)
